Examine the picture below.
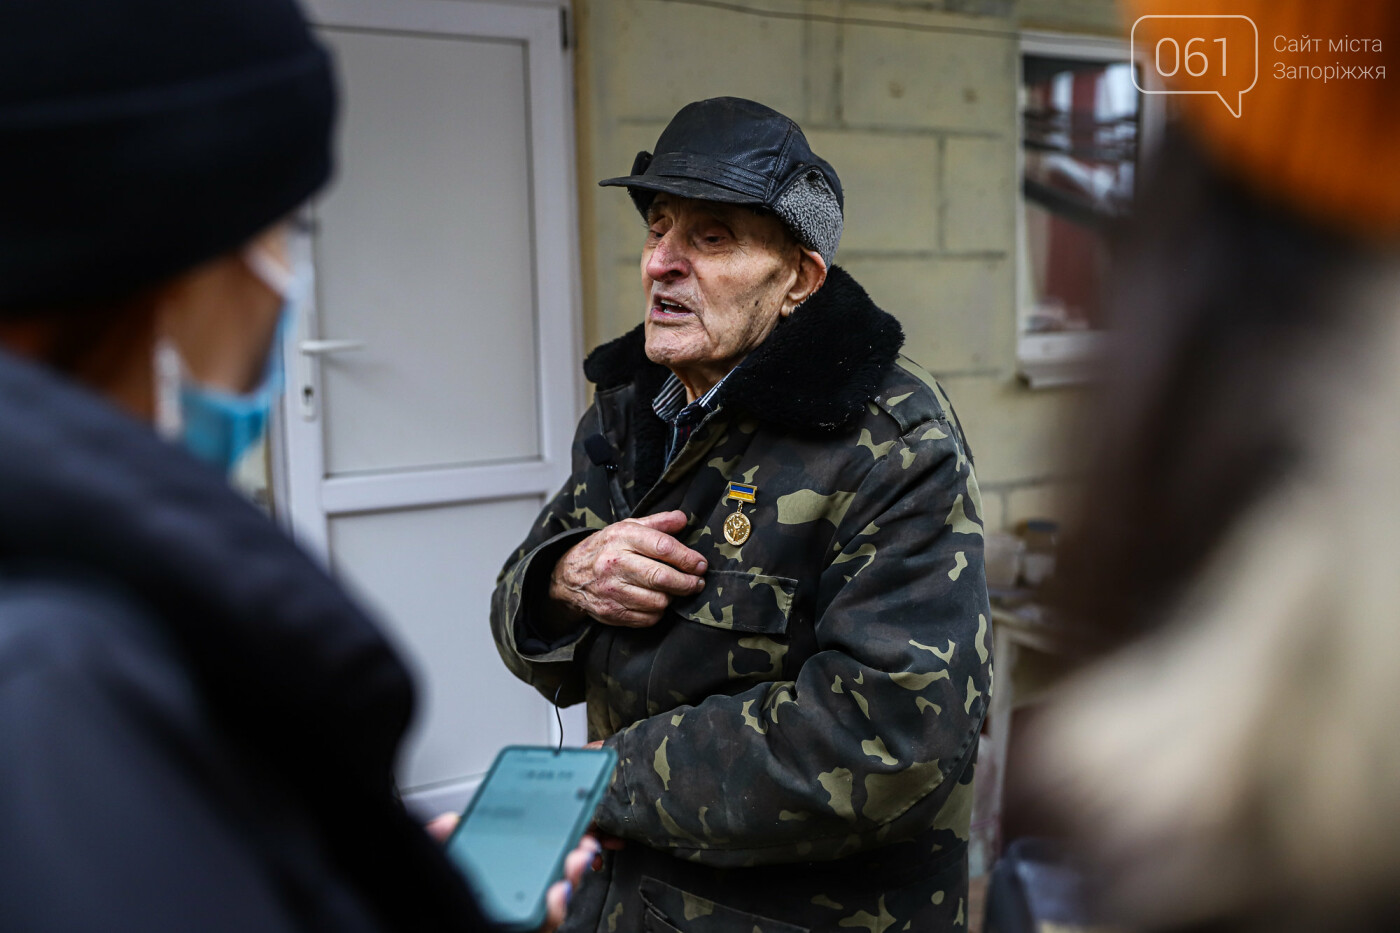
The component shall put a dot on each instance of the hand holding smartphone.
(529, 812)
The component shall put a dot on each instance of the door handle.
(308, 381)
(324, 347)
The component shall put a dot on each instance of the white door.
(432, 389)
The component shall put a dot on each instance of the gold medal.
(737, 526)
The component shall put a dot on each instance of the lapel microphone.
(601, 451)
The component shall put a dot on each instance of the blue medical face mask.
(217, 426)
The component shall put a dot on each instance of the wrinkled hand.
(586, 855)
(627, 573)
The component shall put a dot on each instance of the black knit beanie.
(141, 137)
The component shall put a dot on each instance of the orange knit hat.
(1320, 128)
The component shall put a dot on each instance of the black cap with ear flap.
(738, 151)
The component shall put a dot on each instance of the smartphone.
(529, 813)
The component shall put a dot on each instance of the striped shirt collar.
(670, 401)
(682, 419)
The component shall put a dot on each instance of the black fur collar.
(813, 374)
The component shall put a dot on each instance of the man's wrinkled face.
(717, 278)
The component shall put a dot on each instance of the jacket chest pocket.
(728, 637)
(737, 601)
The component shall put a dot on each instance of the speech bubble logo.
(1198, 54)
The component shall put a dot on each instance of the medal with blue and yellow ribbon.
(737, 525)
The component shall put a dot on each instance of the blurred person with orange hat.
(1232, 763)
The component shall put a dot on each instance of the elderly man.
(765, 575)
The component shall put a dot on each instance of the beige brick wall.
(1089, 16)
(915, 106)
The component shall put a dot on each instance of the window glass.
(1080, 133)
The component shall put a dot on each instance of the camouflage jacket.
(811, 716)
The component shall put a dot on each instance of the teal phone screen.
(527, 815)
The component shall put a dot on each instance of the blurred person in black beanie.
(199, 727)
